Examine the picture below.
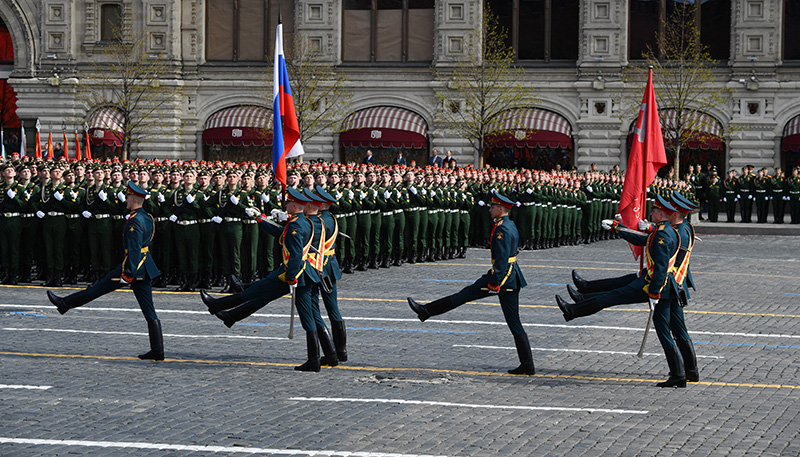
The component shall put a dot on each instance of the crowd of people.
(746, 192)
(59, 219)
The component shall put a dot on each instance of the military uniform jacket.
(295, 240)
(8, 204)
(686, 236)
(331, 267)
(137, 234)
(661, 248)
(505, 271)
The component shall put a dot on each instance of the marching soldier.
(137, 270)
(504, 279)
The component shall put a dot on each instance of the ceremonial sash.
(681, 266)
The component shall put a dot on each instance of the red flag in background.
(88, 148)
(66, 149)
(647, 156)
(78, 146)
(38, 152)
(50, 146)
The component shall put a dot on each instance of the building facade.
(572, 51)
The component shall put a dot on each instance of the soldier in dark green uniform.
(793, 189)
(11, 204)
(713, 196)
(99, 211)
(729, 195)
(184, 208)
(229, 204)
(74, 197)
(779, 194)
(744, 193)
(136, 270)
(761, 195)
(54, 223)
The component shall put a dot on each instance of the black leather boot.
(216, 305)
(156, 342)
(339, 339)
(581, 309)
(11, 277)
(398, 259)
(579, 282)
(433, 308)
(233, 315)
(328, 349)
(412, 256)
(70, 301)
(385, 260)
(525, 358)
(689, 360)
(236, 285)
(347, 268)
(373, 261)
(677, 376)
(312, 347)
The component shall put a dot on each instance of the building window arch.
(244, 30)
(110, 21)
(396, 31)
(540, 30)
(648, 18)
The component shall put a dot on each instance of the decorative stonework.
(157, 14)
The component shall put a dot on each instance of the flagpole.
(640, 354)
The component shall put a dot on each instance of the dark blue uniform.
(504, 278)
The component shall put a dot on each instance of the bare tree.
(481, 85)
(135, 81)
(684, 81)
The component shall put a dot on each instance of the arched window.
(648, 17)
(244, 30)
(540, 30)
(791, 30)
(110, 22)
(387, 30)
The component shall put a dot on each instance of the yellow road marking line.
(400, 369)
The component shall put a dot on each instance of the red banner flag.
(78, 146)
(38, 151)
(66, 149)
(88, 148)
(50, 146)
(647, 156)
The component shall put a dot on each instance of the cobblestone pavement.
(71, 384)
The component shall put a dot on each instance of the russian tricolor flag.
(286, 131)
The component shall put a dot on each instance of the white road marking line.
(575, 350)
(467, 405)
(202, 448)
(18, 386)
(171, 335)
(438, 321)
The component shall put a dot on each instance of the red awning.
(239, 126)
(531, 128)
(105, 127)
(385, 127)
(791, 136)
(707, 130)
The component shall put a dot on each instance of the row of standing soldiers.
(68, 216)
(750, 191)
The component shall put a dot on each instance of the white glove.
(518, 204)
(28, 195)
(386, 194)
(72, 194)
(397, 193)
(58, 195)
(374, 193)
(724, 199)
(127, 216)
(652, 302)
(738, 196)
(173, 218)
(750, 197)
(350, 194)
(86, 214)
(607, 224)
(338, 195)
(281, 216)
(265, 198)
(189, 199)
(102, 195)
(644, 225)
(618, 217)
(161, 198)
(216, 220)
(424, 191)
(529, 191)
(147, 197)
(123, 281)
(252, 212)
(206, 197)
(292, 287)
(413, 190)
(786, 198)
(121, 197)
(11, 193)
(234, 199)
(39, 214)
(362, 195)
(481, 203)
(589, 188)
